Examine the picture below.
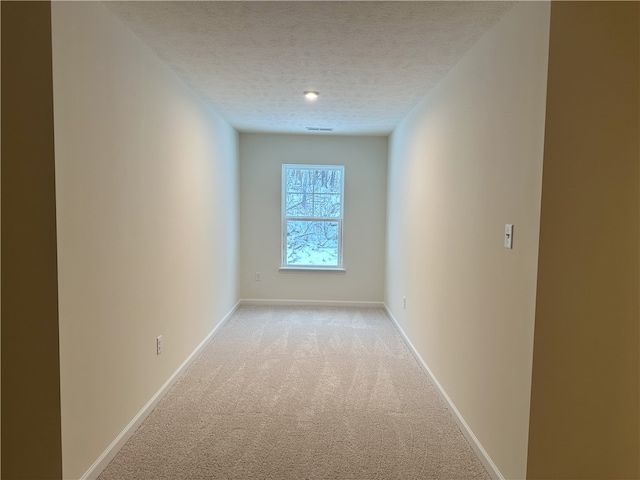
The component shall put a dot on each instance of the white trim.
(310, 303)
(112, 450)
(457, 416)
(307, 269)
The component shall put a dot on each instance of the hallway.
(136, 205)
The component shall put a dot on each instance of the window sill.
(335, 270)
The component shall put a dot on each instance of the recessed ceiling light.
(311, 95)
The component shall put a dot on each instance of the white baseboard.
(457, 416)
(311, 303)
(112, 450)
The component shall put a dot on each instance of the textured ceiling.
(370, 61)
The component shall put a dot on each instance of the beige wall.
(365, 161)
(464, 163)
(584, 400)
(30, 366)
(146, 179)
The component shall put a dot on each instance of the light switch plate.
(508, 235)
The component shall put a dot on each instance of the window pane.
(312, 243)
(305, 180)
(299, 205)
(298, 180)
(326, 206)
(328, 181)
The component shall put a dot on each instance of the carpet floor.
(300, 393)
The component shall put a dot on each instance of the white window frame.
(285, 218)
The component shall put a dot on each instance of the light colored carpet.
(300, 393)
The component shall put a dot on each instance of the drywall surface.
(464, 163)
(30, 366)
(365, 161)
(584, 399)
(146, 179)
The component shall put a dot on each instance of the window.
(312, 212)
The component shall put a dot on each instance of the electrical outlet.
(159, 345)
(258, 276)
(404, 302)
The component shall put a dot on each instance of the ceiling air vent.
(319, 129)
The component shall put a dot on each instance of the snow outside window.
(312, 211)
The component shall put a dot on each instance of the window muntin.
(312, 214)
